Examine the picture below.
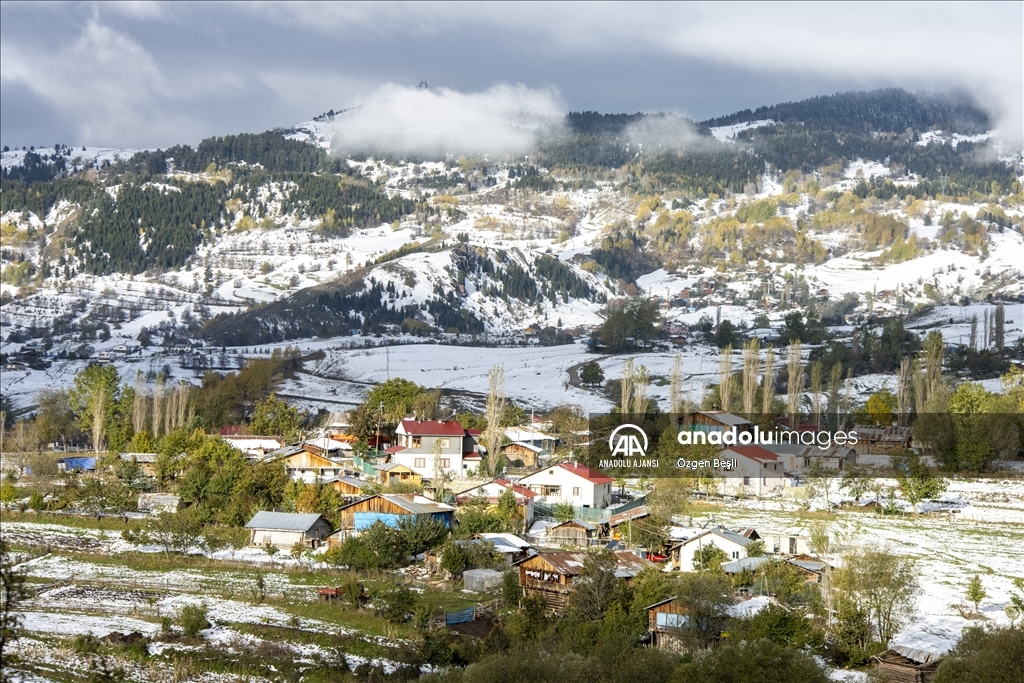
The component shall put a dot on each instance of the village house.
(430, 447)
(681, 554)
(146, 462)
(550, 575)
(303, 465)
(571, 482)
(389, 508)
(493, 490)
(285, 529)
(758, 472)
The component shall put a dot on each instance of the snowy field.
(535, 377)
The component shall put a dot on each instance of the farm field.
(89, 585)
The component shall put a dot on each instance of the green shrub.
(192, 619)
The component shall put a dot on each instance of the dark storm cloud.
(148, 74)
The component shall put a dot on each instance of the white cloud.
(976, 46)
(104, 76)
(405, 120)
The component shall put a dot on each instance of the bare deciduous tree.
(751, 372)
(494, 434)
(768, 384)
(794, 383)
(725, 378)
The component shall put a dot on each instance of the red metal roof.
(394, 449)
(753, 452)
(433, 428)
(591, 475)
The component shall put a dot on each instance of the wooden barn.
(901, 664)
(389, 508)
(551, 575)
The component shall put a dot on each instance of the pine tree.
(975, 591)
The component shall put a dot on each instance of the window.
(764, 480)
(446, 443)
(575, 490)
(807, 462)
(550, 490)
(792, 546)
(746, 481)
(417, 441)
(735, 554)
(419, 462)
(446, 463)
(666, 620)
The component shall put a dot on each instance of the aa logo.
(625, 441)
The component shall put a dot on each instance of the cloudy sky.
(151, 74)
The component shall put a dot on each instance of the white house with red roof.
(758, 472)
(571, 482)
(428, 447)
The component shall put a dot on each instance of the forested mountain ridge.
(887, 110)
(469, 246)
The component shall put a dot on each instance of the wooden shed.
(392, 471)
(347, 486)
(900, 664)
(665, 621)
(575, 532)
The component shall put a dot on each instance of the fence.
(460, 617)
(488, 609)
(585, 514)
